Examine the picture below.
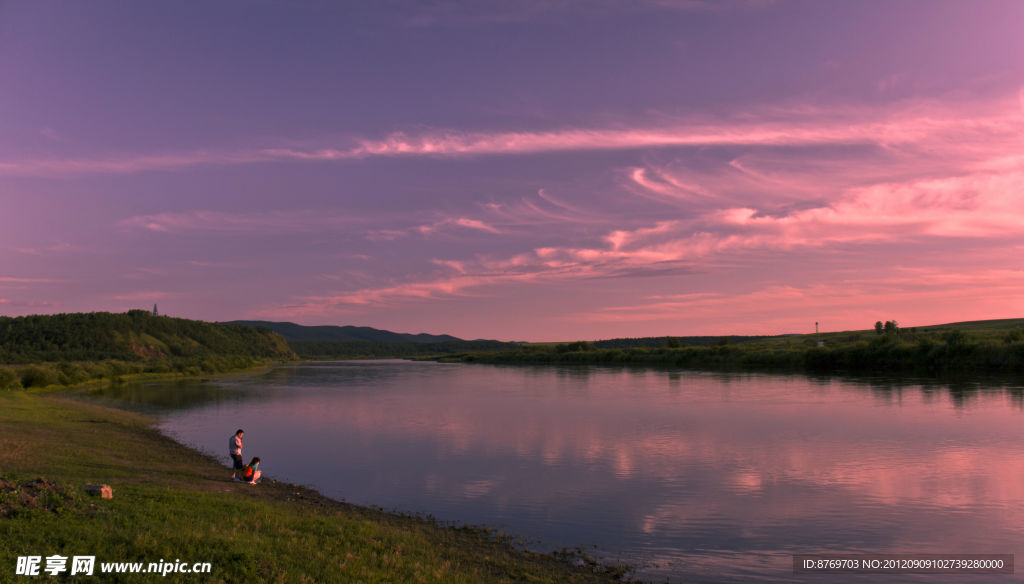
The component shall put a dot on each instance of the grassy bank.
(989, 347)
(67, 374)
(173, 503)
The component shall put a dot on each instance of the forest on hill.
(342, 334)
(65, 349)
(363, 342)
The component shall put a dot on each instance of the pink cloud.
(982, 205)
(667, 186)
(331, 305)
(916, 295)
(475, 224)
(542, 209)
(464, 222)
(924, 173)
(447, 224)
(911, 123)
(978, 205)
(894, 128)
(887, 212)
(619, 238)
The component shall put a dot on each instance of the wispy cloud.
(48, 249)
(900, 175)
(342, 303)
(458, 223)
(61, 167)
(15, 280)
(907, 125)
(915, 294)
(257, 222)
(619, 238)
(463, 222)
(894, 128)
(140, 296)
(543, 209)
(653, 181)
(981, 203)
(32, 305)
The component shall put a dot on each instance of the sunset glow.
(531, 171)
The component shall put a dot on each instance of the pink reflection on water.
(678, 464)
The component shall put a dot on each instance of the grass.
(978, 347)
(173, 503)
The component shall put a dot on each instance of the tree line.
(943, 352)
(66, 349)
(320, 350)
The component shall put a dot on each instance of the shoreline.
(166, 491)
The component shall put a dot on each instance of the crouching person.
(252, 473)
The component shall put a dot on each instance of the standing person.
(235, 450)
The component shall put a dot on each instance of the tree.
(891, 327)
(878, 327)
(1014, 336)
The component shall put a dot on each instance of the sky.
(532, 170)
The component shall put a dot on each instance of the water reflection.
(711, 477)
(162, 397)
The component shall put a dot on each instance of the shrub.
(39, 376)
(574, 347)
(9, 379)
(956, 338)
(72, 373)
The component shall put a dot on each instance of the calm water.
(696, 476)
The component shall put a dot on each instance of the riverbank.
(174, 503)
(993, 347)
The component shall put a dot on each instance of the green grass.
(171, 502)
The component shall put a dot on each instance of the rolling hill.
(136, 335)
(300, 333)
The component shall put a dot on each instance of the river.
(689, 476)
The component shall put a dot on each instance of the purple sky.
(516, 170)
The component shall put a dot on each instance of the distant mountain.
(653, 342)
(299, 333)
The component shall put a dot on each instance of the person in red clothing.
(252, 473)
